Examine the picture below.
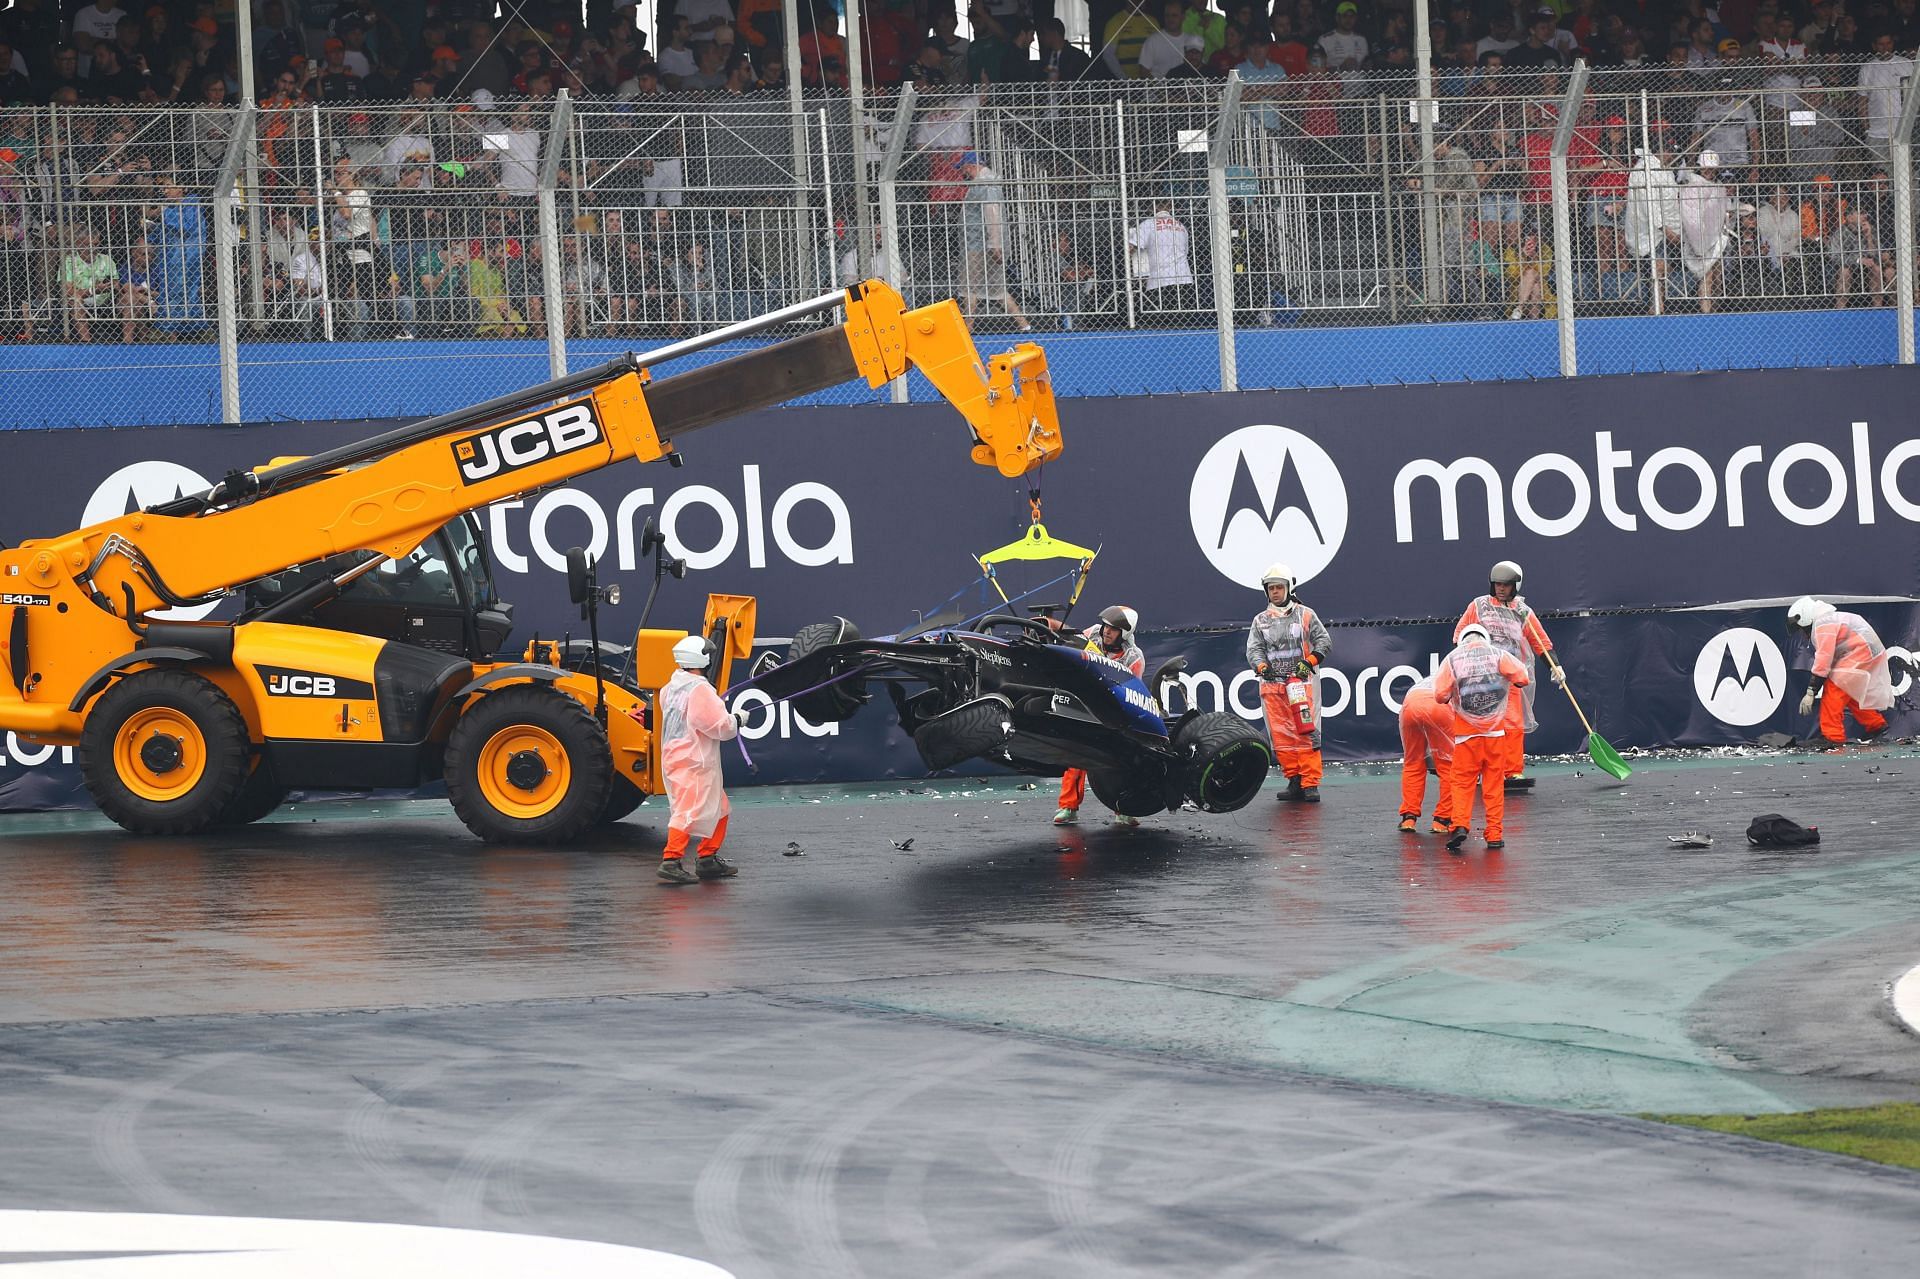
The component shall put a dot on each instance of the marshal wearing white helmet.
(692, 722)
(1112, 638)
(1515, 630)
(1285, 646)
(1850, 669)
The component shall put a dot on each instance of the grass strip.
(1886, 1134)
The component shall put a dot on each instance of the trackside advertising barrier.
(1616, 494)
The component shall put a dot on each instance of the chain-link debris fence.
(396, 259)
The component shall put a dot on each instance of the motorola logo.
(1267, 493)
(1740, 676)
(137, 486)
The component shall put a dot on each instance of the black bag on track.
(1771, 830)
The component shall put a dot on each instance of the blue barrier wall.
(110, 385)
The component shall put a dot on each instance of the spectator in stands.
(710, 76)
(136, 292)
(410, 145)
(1785, 43)
(1652, 217)
(15, 85)
(110, 82)
(368, 153)
(1499, 37)
(352, 282)
(98, 21)
(493, 307)
(1166, 51)
(177, 228)
(677, 63)
(583, 281)
(1287, 49)
(1060, 62)
(1541, 48)
(953, 47)
(64, 74)
(1502, 169)
(1856, 257)
(1345, 48)
(1747, 273)
(1162, 260)
(16, 245)
(1882, 81)
(1821, 31)
(518, 150)
(1726, 125)
(983, 227)
(89, 284)
(1126, 32)
(440, 285)
(1528, 266)
(1230, 55)
(1777, 223)
(483, 66)
(1705, 207)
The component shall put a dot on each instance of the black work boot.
(1311, 795)
(714, 866)
(1457, 840)
(673, 870)
(1294, 792)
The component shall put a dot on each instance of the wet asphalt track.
(1286, 1041)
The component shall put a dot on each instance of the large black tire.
(975, 728)
(1226, 761)
(622, 798)
(259, 795)
(165, 752)
(528, 765)
(1133, 794)
(836, 703)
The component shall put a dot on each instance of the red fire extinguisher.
(1300, 697)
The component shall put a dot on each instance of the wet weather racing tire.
(836, 703)
(979, 727)
(259, 795)
(1226, 761)
(528, 765)
(1135, 795)
(165, 752)
(622, 798)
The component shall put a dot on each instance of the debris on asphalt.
(794, 850)
(904, 845)
(1691, 839)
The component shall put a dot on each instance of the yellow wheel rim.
(524, 771)
(160, 754)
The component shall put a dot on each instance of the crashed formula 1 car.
(1019, 693)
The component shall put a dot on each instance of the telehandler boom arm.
(388, 493)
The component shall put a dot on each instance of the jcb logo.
(300, 685)
(522, 444)
(289, 683)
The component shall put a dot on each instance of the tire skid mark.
(116, 1136)
(819, 1217)
(716, 1192)
(1073, 1177)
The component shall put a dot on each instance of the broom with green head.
(1599, 749)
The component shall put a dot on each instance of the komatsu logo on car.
(28, 600)
(501, 449)
(282, 682)
(1137, 698)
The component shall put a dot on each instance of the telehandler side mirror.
(579, 574)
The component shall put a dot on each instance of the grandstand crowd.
(1738, 156)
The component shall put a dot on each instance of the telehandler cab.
(363, 654)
